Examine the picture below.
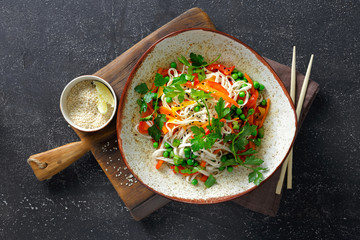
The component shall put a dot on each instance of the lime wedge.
(104, 94)
(102, 106)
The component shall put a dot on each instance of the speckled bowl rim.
(122, 101)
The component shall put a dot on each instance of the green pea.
(261, 132)
(244, 85)
(193, 156)
(187, 149)
(223, 158)
(176, 142)
(171, 154)
(169, 99)
(155, 144)
(263, 102)
(190, 162)
(196, 164)
(241, 75)
(233, 107)
(242, 117)
(235, 70)
(242, 94)
(165, 154)
(221, 168)
(261, 87)
(169, 149)
(183, 164)
(256, 85)
(194, 182)
(230, 168)
(238, 111)
(240, 102)
(254, 133)
(251, 111)
(197, 108)
(236, 127)
(167, 78)
(173, 65)
(245, 80)
(187, 155)
(234, 76)
(167, 145)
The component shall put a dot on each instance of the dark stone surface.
(45, 44)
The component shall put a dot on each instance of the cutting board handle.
(47, 164)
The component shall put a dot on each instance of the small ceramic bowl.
(66, 91)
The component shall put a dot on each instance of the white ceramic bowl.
(280, 125)
(66, 91)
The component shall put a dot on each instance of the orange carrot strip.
(216, 93)
(217, 151)
(204, 178)
(203, 164)
(166, 111)
(251, 82)
(217, 86)
(266, 112)
(159, 163)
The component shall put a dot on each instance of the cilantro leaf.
(159, 80)
(175, 90)
(155, 130)
(148, 97)
(229, 162)
(199, 95)
(252, 160)
(220, 108)
(160, 120)
(229, 137)
(148, 118)
(197, 130)
(197, 60)
(241, 139)
(184, 61)
(142, 88)
(142, 104)
(256, 176)
(179, 80)
(248, 152)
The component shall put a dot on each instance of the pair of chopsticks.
(289, 160)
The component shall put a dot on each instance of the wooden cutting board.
(103, 144)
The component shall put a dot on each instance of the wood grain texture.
(103, 144)
(47, 164)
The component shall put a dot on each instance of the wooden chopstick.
(288, 161)
(292, 95)
(298, 112)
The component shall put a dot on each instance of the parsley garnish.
(197, 66)
(142, 88)
(175, 89)
(239, 141)
(155, 130)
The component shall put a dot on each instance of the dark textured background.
(45, 44)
